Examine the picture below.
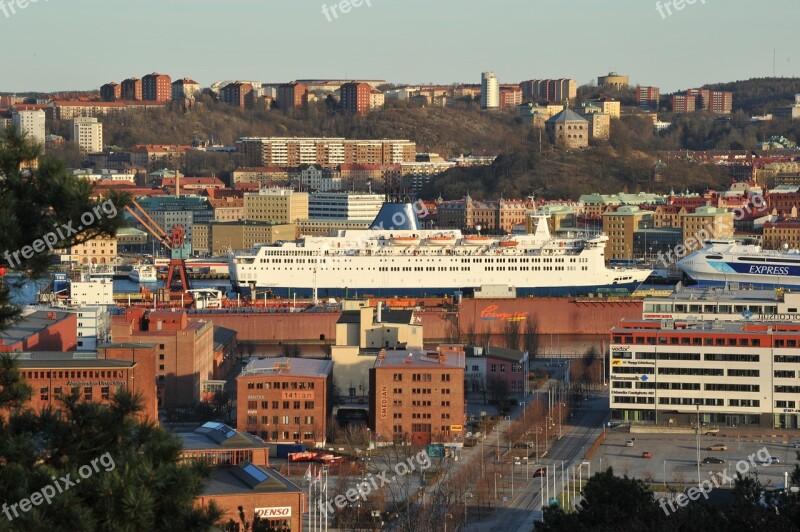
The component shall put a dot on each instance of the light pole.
(466, 512)
(697, 437)
(495, 485)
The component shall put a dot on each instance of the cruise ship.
(143, 273)
(723, 262)
(395, 257)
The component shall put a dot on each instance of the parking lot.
(673, 457)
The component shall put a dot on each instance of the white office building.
(31, 123)
(490, 91)
(344, 206)
(94, 327)
(87, 132)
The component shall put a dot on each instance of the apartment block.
(704, 223)
(292, 95)
(741, 374)
(490, 91)
(276, 205)
(649, 97)
(326, 152)
(100, 250)
(417, 396)
(237, 94)
(355, 97)
(156, 87)
(31, 123)
(609, 106)
(285, 400)
(131, 89)
(87, 132)
(185, 89)
(510, 96)
(111, 92)
(549, 90)
(217, 238)
(683, 103)
(620, 226)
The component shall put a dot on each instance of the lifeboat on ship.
(405, 240)
(508, 243)
(476, 240)
(442, 240)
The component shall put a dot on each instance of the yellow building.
(620, 225)
(276, 205)
(609, 106)
(786, 232)
(704, 223)
(612, 81)
(96, 251)
(217, 238)
(599, 125)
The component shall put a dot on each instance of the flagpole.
(325, 469)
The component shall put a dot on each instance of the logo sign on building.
(384, 402)
(288, 396)
(490, 313)
(274, 513)
(456, 428)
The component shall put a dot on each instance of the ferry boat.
(143, 273)
(723, 262)
(370, 262)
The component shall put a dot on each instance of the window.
(494, 368)
(445, 377)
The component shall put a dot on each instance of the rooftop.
(214, 435)
(416, 358)
(247, 478)
(30, 324)
(294, 367)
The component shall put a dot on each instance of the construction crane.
(177, 281)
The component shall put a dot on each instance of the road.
(568, 451)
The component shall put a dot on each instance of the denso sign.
(273, 513)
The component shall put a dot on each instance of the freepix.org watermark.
(665, 9)
(374, 482)
(61, 233)
(332, 11)
(10, 7)
(59, 485)
(717, 479)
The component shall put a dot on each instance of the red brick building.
(156, 88)
(42, 330)
(54, 375)
(237, 94)
(355, 97)
(185, 352)
(418, 396)
(292, 95)
(510, 96)
(131, 89)
(258, 490)
(649, 97)
(285, 400)
(111, 92)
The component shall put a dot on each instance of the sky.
(50, 45)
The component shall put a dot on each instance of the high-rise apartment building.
(237, 94)
(649, 97)
(326, 152)
(87, 132)
(550, 90)
(31, 123)
(292, 95)
(131, 89)
(276, 205)
(490, 91)
(355, 97)
(156, 88)
(111, 92)
(184, 89)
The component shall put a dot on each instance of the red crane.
(175, 241)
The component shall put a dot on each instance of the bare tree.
(511, 334)
(471, 336)
(532, 337)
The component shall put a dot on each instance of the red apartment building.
(285, 400)
(649, 97)
(237, 94)
(510, 96)
(683, 103)
(111, 92)
(355, 97)
(131, 89)
(292, 95)
(156, 87)
(418, 396)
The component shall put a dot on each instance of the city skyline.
(412, 42)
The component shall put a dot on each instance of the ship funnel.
(396, 216)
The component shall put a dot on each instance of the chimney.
(380, 306)
(177, 184)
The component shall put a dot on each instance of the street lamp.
(466, 512)
(495, 483)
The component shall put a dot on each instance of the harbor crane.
(177, 280)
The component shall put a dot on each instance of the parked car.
(717, 447)
(523, 445)
(646, 455)
(541, 472)
(629, 443)
(771, 460)
(713, 460)
(797, 445)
